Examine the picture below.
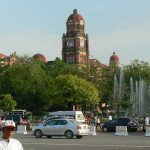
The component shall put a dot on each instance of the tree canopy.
(29, 85)
(69, 89)
(7, 103)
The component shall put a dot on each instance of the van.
(77, 115)
(19, 119)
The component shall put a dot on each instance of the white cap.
(8, 123)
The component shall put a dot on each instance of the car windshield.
(15, 118)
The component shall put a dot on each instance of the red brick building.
(75, 44)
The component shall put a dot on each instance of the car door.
(50, 128)
(61, 127)
(122, 121)
(112, 124)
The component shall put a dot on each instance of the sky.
(28, 27)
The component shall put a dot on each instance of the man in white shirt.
(7, 142)
(110, 117)
(146, 120)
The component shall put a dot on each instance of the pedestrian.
(97, 121)
(146, 123)
(7, 142)
(146, 120)
(110, 117)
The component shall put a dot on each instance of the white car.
(61, 127)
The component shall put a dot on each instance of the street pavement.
(101, 141)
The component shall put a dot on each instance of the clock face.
(82, 43)
(70, 43)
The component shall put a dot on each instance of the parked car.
(61, 127)
(131, 123)
(19, 120)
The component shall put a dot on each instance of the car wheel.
(105, 129)
(38, 133)
(49, 136)
(69, 134)
(79, 136)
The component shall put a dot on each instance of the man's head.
(8, 126)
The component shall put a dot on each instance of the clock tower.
(75, 47)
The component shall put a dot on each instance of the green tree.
(106, 83)
(137, 70)
(70, 90)
(3, 66)
(59, 67)
(7, 103)
(29, 84)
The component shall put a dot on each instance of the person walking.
(7, 142)
(146, 123)
(146, 120)
(110, 117)
(97, 121)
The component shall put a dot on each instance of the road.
(101, 141)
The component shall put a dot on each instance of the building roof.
(114, 58)
(2, 56)
(75, 17)
(40, 57)
(97, 63)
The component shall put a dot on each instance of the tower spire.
(75, 11)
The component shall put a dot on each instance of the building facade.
(75, 44)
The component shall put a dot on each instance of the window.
(114, 121)
(123, 121)
(61, 122)
(15, 118)
(52, 122)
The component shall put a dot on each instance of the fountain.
(142, 99)
(115, 93)
(118, 91)
(139, 95)
(132, 98)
